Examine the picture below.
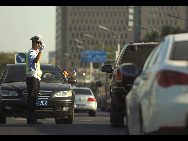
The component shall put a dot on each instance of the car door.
(138, 83)
(139, 97)
(147, 79)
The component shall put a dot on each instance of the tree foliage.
(5, 58)
(170, 30)
(151, 37)
(166, 30)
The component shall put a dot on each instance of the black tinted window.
(51, 74)
(14, 74)
(130, 69)
(83, 91)
(137, 54)
(180, 50)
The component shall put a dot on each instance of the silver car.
(85, 101)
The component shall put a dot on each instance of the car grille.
(42, 94)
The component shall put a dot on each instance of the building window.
(72, 64)
(148, 21)
(175, 21)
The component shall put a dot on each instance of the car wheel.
(2, 119)
(63, 120)
(92, 113)
(136, 126)
(70, 118)
(116, 115)
(127, 126)
(59, 120)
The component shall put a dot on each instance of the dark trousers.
(33, 87)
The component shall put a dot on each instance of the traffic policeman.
(33, 74)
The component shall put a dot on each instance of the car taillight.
(118, 77)
(167, 78)
(91, 99)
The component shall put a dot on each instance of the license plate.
(80, 106)
(42, 103)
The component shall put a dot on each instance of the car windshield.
(179, 51)
(16, 73)
(82, 91)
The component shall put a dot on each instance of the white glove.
(41, 48)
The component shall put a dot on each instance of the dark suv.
(127, 67)
(55, 100)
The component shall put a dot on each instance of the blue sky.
(19, 23)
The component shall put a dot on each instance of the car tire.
(137, 124)
(63, 120)
(70, 118)
(116, 115)
(92, 113)
(2, 119)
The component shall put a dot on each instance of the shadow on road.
(65, 129)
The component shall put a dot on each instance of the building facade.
(77, 28)
(155, 17)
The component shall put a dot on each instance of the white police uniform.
(33, 69)
(33, 74)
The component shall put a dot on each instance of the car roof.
(148, 43)
(180, 37)
(144, 43)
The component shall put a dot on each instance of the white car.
(85, 101)
(159, 96)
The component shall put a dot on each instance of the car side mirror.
(107, 69)
(72, 80)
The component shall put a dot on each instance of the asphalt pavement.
(83, 125)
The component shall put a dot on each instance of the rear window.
(82, 91)
(179, 51)
(137, 54)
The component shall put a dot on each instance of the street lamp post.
(145, 28)
(91, 63)
(118, 37)
(177, 17)
(91, 36)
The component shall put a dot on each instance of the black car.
(55, 100)
(127, 67)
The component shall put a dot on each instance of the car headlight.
(9, 93)
(63, 94)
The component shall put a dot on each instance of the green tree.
(166, 30)
(5, 58)
(151, 37)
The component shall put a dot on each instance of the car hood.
(43, 86)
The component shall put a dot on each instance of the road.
(83, 125)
